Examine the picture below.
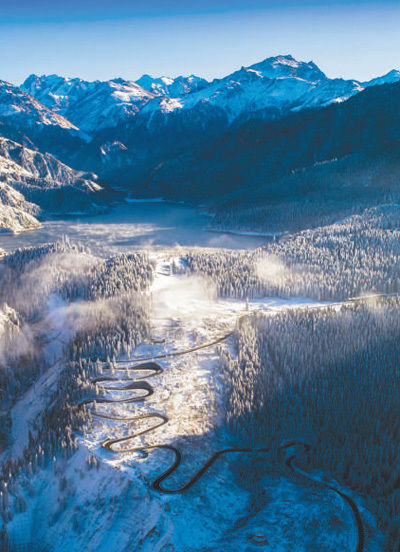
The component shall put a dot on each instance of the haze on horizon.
(102, 40)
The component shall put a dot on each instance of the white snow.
(16, 104)
(90, 105)
(170, 104)
(276, 83)
(279, 83)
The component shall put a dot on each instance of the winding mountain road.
(128, 384)
(112, 444)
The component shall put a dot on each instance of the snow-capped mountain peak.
(89, 105)
(271, 88)
(172, 87)
(389, 78)
(21, 108)
(286, 66)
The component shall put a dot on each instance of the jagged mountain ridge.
(147, 141)
(271, 88)
(172, 87)
(90, 105)
(22, 109)
(279, 84)
(126, 131)
(25, 120)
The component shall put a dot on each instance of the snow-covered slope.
(389, 78)
(21, 165)
(20, 108)
(274, 86)
(14, 220)
(271, 88)
(90, 105)
(9, 323)
(99, 500)
(16, 214)
(172, 87)
(26, 174)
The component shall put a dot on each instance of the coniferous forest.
(330, 377)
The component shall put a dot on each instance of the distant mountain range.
(189, 138)
(270, 89)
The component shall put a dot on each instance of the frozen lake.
(134, 225)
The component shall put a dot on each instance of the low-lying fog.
(134, 225)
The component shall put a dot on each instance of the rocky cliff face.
(34, 184)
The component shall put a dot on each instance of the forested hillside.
(356, 256)
(329, 377)
(256, 159)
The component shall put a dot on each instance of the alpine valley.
(179, 138)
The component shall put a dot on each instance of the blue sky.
(99, 39)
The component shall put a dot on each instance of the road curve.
(111, 443)
(351, 503)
